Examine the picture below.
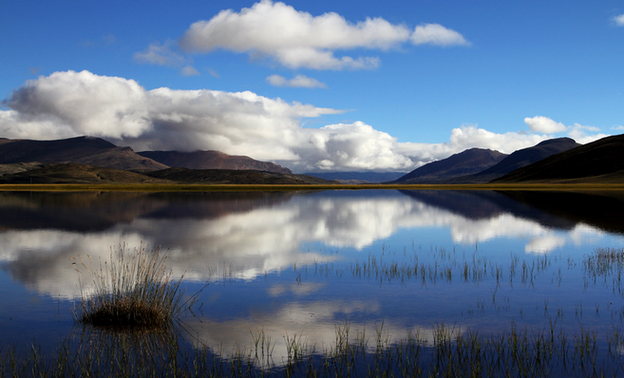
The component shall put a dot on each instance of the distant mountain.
(80, 150)
(211, 160)
(599, 161)
(464, 163)
(357, 177)
(518, 159)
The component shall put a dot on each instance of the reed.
(133, 289)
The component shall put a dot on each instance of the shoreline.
(290, 187)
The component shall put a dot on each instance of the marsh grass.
(133, 289)
(448, 351)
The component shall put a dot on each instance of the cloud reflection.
(244, 238)
(314, 325)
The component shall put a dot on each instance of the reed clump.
(133, 289)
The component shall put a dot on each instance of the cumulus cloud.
(298, 39)
(299, 81)
(546, 125)
(69, 104)
(619, 20)
(436, 34)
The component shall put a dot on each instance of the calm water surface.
(303, 263)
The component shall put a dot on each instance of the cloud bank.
(69, 104)
(297, 39)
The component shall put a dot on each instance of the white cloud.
(299, 81)
(546, 125)
(619, 20)
(164, 55)
(436, 34)
(161, 55)
(189, 71)
(298, 39)
(71, 103)
(68, 104)
(577, 132)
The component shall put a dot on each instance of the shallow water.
(288, 264)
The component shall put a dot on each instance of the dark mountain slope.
(48, 151)
(599, 161)
(80, 150)
(464, 163)
(211, 160)
(519, 159)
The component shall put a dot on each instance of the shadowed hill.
(81, 150)
(519, 159)
(599, 161)
(464, 163)
(211, 160)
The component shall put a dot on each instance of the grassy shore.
(286, 187)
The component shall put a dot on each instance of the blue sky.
(314, 86)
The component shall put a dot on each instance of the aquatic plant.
(133, 289)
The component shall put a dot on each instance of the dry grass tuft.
(133, 289)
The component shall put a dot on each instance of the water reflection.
(246, 235)
(302, 264)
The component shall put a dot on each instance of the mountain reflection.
(245, 235)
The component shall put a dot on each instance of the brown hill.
(81, 150)
(599, 161)
(464, 163)
(69, 173)
(211, 160)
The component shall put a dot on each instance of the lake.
(306, 268)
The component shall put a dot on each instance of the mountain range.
(477, 166)
(94, 160)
